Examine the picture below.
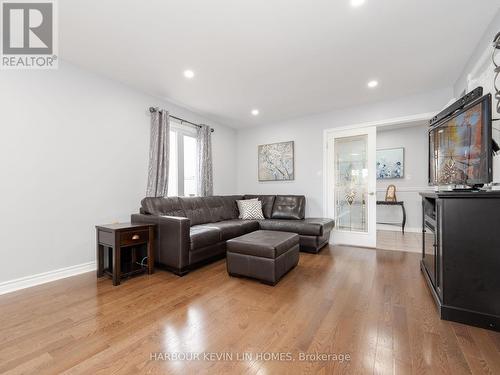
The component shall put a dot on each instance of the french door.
(351, 185)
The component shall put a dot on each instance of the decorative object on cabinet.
(390, 193)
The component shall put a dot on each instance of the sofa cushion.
(267, 203)
(263, 243)
(249, 225)
(202, 236)
(196, 210)
(216, 208)
(234, 228)
(230, 208)
(307, 227)
(169, 206)
(229, 229)
(289, 207)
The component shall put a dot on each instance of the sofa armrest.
(172, 239)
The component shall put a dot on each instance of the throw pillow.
(250, 209)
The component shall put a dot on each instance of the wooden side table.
(117, 236)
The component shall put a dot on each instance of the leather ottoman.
(263, 255)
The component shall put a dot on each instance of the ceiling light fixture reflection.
(188, 74)
(357, 3)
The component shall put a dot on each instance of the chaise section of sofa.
(192, 231)
(314, 233)
(287, 214)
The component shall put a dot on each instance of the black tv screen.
(460, 146)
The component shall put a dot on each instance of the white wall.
(479, 70)
(483, 44)
(415, 142)
(307, 132)
(73, 154)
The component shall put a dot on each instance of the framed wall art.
(276, 161)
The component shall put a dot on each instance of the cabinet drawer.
(106, 238)
(134, 237)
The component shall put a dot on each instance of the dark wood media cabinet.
(461, 255)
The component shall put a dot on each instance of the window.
(189, 165)
(173, 186)
(182, 170)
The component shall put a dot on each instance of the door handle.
(371, 193)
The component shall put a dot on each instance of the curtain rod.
(153, 109)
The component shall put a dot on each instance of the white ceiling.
(287, 58)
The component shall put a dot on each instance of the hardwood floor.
(372, 305)
(396, 240)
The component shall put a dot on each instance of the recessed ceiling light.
(357, 3)
(255, 112)
(188, 74)
(372, 84)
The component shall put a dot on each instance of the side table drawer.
(105, 238)
(134, 237)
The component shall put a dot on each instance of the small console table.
(398, 203)
(118, 236)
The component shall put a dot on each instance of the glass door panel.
(351, 183)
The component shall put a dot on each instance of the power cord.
(142, 264)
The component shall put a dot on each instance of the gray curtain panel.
(204, 166)
(158, 154)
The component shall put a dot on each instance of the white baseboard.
(398, 229)
(45, 277)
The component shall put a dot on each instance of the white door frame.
(366, 238)
(404, 120)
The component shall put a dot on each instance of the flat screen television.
(460, 150)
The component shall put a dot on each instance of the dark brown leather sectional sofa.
(194, 230)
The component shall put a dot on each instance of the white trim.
(45, 277)
(404, 120)
(368, 238)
